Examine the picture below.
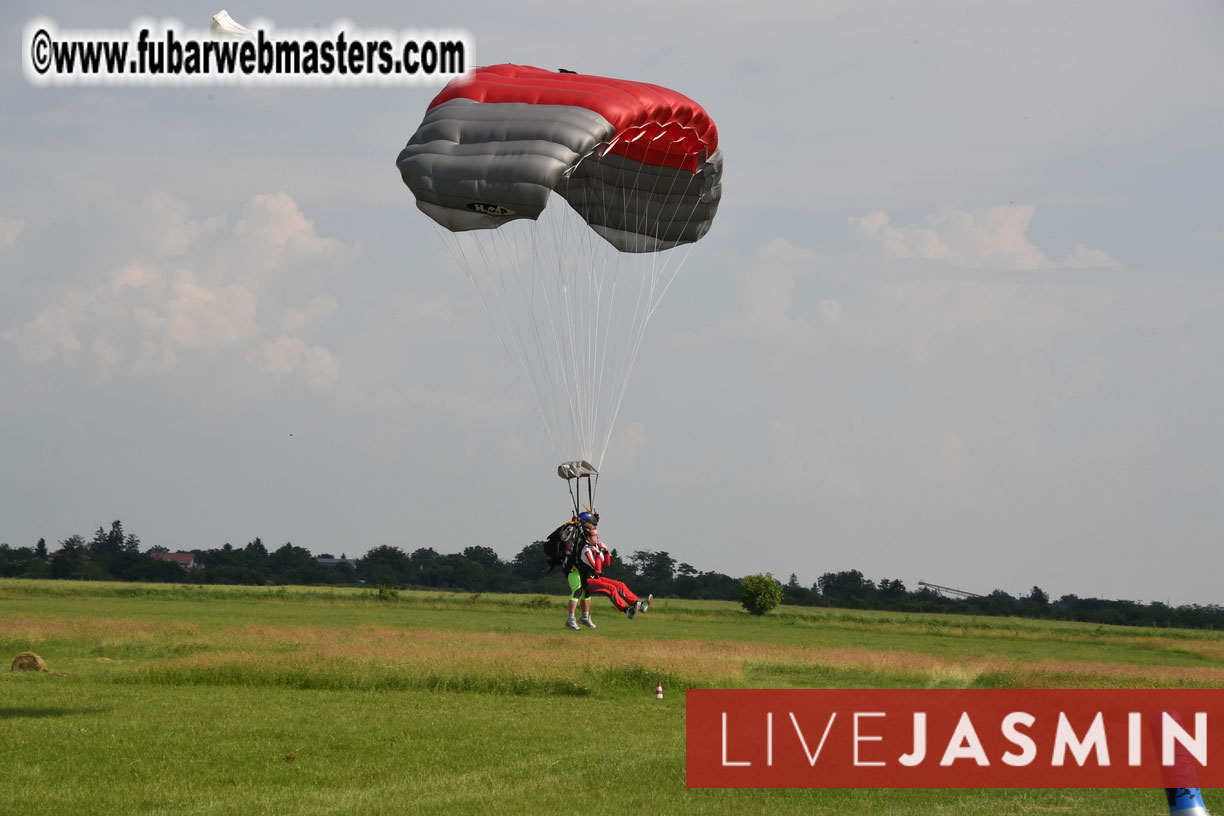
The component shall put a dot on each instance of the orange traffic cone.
(659, 692)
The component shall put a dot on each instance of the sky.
(957, 319)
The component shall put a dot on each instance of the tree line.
(114, 554)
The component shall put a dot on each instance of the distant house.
(335, 562)
(185, 560)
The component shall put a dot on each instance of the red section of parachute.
(654, 125)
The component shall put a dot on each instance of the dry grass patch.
(533, 663)
(59, 629)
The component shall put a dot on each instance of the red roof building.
(185, 560)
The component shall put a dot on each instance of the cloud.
(200, 317)
(1084, 257)
(10, 228)
(287, 355)
(188, 289)
(994, 238)
(274, 230)
(308, 315)
(768, 285)
(50, 333)
(166, 226)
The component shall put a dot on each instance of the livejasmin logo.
(965, 745)
(953, 738)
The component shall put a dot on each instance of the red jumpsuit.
(591, 561)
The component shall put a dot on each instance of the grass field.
(220, 700)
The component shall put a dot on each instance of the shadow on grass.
(16, 712)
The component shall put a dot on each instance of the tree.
(484, 556)
(107, 544)
(893, 590)
(100, 546)
(423, 557)
(290, 559)
(385, 566)
(14, 562)
(454, 571)
(797, 594)
(73, 552)
(40, 549)
(760, 593)
(530, 564)
(654, 566)
(343, 572)
(847, 588)
(156, 570)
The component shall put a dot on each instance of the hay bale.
(28, 661)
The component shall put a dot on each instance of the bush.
(760, 593)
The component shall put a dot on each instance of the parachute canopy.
(638, 162)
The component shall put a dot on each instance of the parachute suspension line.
(597, 338)
(567, 295)
(621, 364)
(508, 334)
(657, 283)
(530, 375)
(549, 362)
(561, 289)
(553, 357)
(454, 245)
(594, 296)
(540, 375)
(658, 274)
(583, 278)
(586, 318)
(612, 368)
(576, 496)
(560, 324)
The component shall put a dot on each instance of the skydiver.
(578, 593)
(562, 547)
(593, 557)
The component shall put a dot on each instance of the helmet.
(586, 518)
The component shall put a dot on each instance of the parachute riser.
(576, 471)
(576, 495)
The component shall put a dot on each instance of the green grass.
(220, 700)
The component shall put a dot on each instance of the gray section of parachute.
(644, 208)
(475, 165)
(576, 469)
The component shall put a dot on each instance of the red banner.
(955, 738)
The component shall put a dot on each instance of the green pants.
(575, 581)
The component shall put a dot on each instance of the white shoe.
(570, 623)
(644, 606)
(586, 621)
